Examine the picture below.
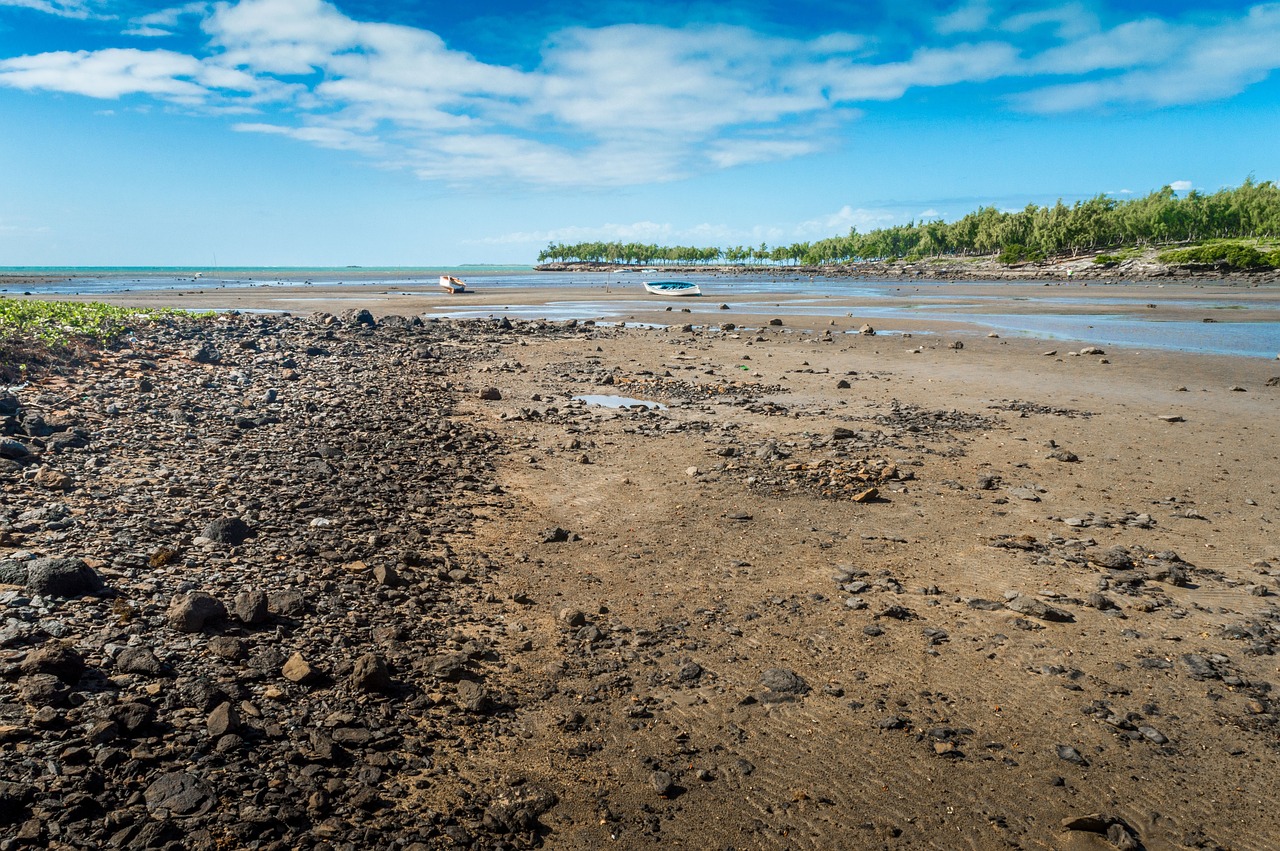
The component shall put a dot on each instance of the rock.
(204, 354)
(47, 477)
(138, 660)
(222, 720)
(1092, 350)
(62, 577)
(370, 673)
(191, 612)
(14, 450)
(571, 617)
(867, 331)
(1027, 605)
(1172, 418)
(662, 783)
(1071, 755)
(57, 659)
(231, 531)
(471, 696)
(43, 690)
(775, 322)
(14, 798)
(958, 344)
(491, 394)
(297, 669)
(1063, 455)
(1026, 494)
(178, 794)
(555, 535)
(250, 606)
(228, 647)
(783, 681)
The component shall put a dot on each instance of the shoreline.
(1142, 310)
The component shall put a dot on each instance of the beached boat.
(452, 284)
(672, 288)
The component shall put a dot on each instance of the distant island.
(1234, 230)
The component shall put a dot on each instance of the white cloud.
(1163, 64)
(77, 9)
(1180, 185)
(629, 103)
(163, 22)
(107, 73)
(968, 17)
(842, 220)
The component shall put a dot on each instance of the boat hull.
(452, 284)
(672, 288)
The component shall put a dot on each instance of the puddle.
(606, 401)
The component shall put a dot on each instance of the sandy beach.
(938, 588)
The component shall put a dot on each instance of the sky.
(420, 133)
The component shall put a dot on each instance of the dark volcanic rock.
(783, 681)
(178, 794)
(227, 530)
(62, 577)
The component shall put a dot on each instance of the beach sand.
(1059, 602)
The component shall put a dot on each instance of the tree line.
(1102, 222)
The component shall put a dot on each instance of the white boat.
(672, 288)
(452, 284)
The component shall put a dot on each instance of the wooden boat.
(452, 284)
(672, 288)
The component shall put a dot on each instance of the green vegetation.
(1248, 211)
(36, 334)
(1228, 255)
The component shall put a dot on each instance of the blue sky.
(303, 132)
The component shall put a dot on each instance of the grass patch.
(38, 335)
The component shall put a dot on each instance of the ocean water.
(1233, 333)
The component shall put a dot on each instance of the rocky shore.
(237, 616)
(382, 582)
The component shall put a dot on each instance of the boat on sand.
(452, 284)
(680, 288)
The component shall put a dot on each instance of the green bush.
(1107, 259)
(1229, 255)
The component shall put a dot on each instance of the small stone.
(227, 530)
(250, 606)
(471, 696)
(138, 660)
(783, 681)
(297, 669)
(47, 477)
(1071, 755)
(571, 617)
(370, 673)
(662, 783)
(191, 612)
(491, 394)
(222, 720)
